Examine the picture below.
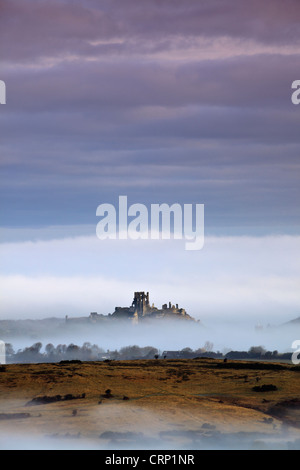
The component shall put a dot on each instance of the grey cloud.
(47, 133)
(76, 131)
(33, 29)
(257, 81)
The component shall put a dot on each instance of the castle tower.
(140, 302)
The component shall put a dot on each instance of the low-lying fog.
(163, 335)
(231, 285)
(148, 430)
(232, 441)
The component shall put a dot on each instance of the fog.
(134, 427)
(246, 279)
(163, 335)
(230, 441)
(230, 287)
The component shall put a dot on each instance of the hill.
(201, 403)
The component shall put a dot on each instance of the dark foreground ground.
(155, 404)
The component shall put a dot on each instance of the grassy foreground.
(198, 403)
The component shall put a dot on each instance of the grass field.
(200, 403)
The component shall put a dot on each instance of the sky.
(163, 101)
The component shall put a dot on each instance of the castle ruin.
(139, 310)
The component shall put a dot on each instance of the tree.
(36, 347)
(257, 351)
(61, 349)
(131, 352)
(73, 351)
(9, 350)
(188, 350)
(50, 349)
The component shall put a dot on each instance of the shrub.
(265, 388)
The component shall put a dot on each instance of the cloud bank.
(162, 100)
(253, 279)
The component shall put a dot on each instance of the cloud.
(177, 100)
(110, 87)
(90, 28)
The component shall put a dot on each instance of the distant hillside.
(295, 321)
(29, 327)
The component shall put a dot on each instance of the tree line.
(92, 352)
(86, 352)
